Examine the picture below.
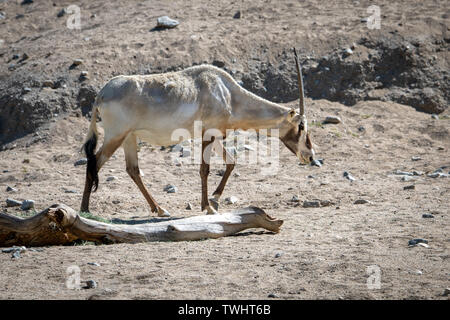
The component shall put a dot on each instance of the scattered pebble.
(231, 200)
(116, 201)
(349, 176)
(332, 119)
(221, 172)
(77, 62)
(170, 188)
(90, 284)
(446, 292)
(435, 116)
(416, 158)
(61, 13)
(427, 215)
(361, 201)
(407, 178)
(278, 255)
(111, 178)
(189, 206)
(311, 204)
(80, 162)
(94, 264)
(166, 22)
(403, 173)
(272, 295)
(295, 198)
(12, 203)
(27, 205)
(26, 90)
(410, 187)
(347, 52)
(317, 162)
(416, 241)
(10, 189)
(48, 84)
(237, 15)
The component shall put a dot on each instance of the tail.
(89, 149)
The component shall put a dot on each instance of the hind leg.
(105, 152)
(131, 158)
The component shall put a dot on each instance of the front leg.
(230, 163)
(204, 172)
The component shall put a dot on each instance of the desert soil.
(320, 253)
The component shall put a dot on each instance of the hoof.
(163, 212)
(211, 210)
(214, 203)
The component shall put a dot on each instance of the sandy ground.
(320, 253)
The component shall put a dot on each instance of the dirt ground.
(320, 253)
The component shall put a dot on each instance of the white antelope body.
(151, 107)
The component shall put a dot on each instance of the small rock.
(170, 188)
(332, 119)
(16, 254)
(166, 22)
(416, 158)
(423, 245)
(221, 172)
(349, 176)
(26, 2)
(237, 15)
(427, 215)
(90, 284)
(77, 62)
(231, 200)
(446, 292)
(418, 272)
(364, 20)
(48, 83)
(249, 148)
(317, 163)
(407, 178)
(10, 189)
(12, 203)
(414, 242)
(438, 175)
(189, 206)
(80, 162)
(403, 173)
(116, 201)
(311, 204)
(218, 63)
(272, 295)
(278, 255)
(111, 178)
(295, 198)
(26, 161)
(61, 13)
(347, 52)
(26, 90)
(325, 203)
(27, 205)
(94, 264)
(361, 201)
(410, 187)
(69, 191)
(435, 116)
(417, 173)
(2, 15)
(237, 174)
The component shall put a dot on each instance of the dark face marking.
(308, 142)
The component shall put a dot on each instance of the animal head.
(294, 129)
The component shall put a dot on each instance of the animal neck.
(253, 112)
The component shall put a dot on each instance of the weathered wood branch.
(60, 224)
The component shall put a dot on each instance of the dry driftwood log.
(60, 224)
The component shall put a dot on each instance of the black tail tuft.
(91, 169)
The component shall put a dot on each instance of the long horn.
(300, 85)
